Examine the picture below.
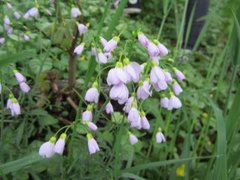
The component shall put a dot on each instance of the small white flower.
(174, 103)
(59, 146)
(111, 45)
(33, 12)
(20, 78)
(92, 144)
(91, 125)
(75, 12)
(134, 118)
(14, 106)
(160, 137)
(144, 121)
(177, 88)
(87, 115)
(132, 138)
(82, 29)
(17, 15)
(47, 148)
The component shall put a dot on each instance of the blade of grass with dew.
(7, 58)
(21, 163)
(220, 167)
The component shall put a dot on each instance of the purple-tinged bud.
(79, 49)
(6, 21)
(2, 40)
(180, 76)
(92, 144)
(128, 104)
(144, 121)
(19, 77)
(132, 138)
(109, 108)
(59, 146)
(87, 115)
(163, 51)
(153, 50)
(75, 12)
(9, 6)
(24, 87)
(134, 118)
(103, 41)
(91, 125)
(17, 15)
(143, 40)
(92, 94)
(33, 12)
(168, 76)
(160, 85)
(82, 29)
(177, 88)
(160, 137)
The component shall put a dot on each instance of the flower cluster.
(129, 84)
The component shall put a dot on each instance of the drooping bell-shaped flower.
(153, 50)
(91, 125)
(128, 104)
(109, 108)
(82, 29)
(6, 21)
(117, 75)
(75, 12)
(17, 15)
(144, 121)
(87, 115)
(160, 85)
(60, 144)
(180, 76)
(79, 49)
(164, 102)
(92, 144)
(19, 77)
(93, 50)
(2, 40)
(33, 12)
(134, 117)
(133, 70)
(168, 76)
(174, 102)
(163, 51)
(112, 44)
(13, 105)
(92, 94)
(26, 37)
(101, 58)
(46, 150)
(143, 91)
(156, 74)
(119, 93)
(160, 137)
(132, 138)
(103, 41)
(9, 6)
(177, 88)
(24, 87)
(142, 39)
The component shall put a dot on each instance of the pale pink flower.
(174, 103)
(33, 12)
(82, 29)
(143, 91)
(75, 12)
(160, 85)
(46, 150)
(160, 137)
(168, 76)
(119, 93)
(153, 50)
(92, 95)
(177, 88)
(143, 40)
(14, 106)
(24, 87)
(164, 102)
(133, 70)
(20, 78)
(156, 75)
(144, 122)
(180, 76)
(109, 108)
(116, 76)
(163, 51)
(103, 41)
(59, 146)
(101, 58)
(79, 49)
(92, 144)
(91, 125)
(128, 104)
(111, 45)
(87, 115)
(132, 139)
(134, 118)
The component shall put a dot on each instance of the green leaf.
(40, 64)
(9, 58)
